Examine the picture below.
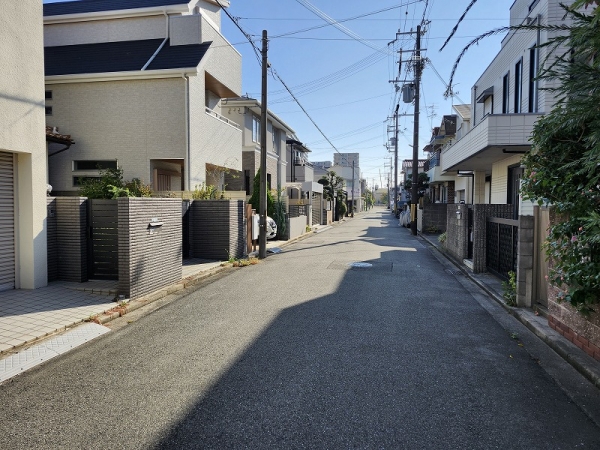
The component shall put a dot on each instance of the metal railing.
(218, 116)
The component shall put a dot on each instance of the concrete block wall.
(525, 249)
(481, 212)
(149, 257)
(435, 215)
(218, 229)
(457, 231)
(67, 241)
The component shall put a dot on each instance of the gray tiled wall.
(149, 257)
(457, 231)
(217, 229)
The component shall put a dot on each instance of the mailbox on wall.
(255, 226)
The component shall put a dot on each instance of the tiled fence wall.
(150, 246)
(67, 246)
(218, 229)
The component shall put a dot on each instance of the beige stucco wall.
(212, 141)
(126, 29)
(222, 60)
(22, 131)
(133, 121)
(500, 178)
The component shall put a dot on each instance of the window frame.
(518, 95)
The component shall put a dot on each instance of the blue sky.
(342, 77)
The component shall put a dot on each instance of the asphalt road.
(303, 351)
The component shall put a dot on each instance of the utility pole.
(415, 163)
(353, 188)
(396, 161)
(262, 238)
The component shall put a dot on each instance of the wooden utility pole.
(262, 237)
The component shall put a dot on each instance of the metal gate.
(317, 209)
(103, 239)
(7, 222)
(502, 237)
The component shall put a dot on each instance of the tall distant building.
(346, 159)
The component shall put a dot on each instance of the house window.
(94, 165)
(48, 95)
(255, 129)
(48, 110)
(533, 84)
(269, 181)
(505, 94)
(518, 90)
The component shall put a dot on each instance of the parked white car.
(271, 228)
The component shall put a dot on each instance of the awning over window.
(485, 94)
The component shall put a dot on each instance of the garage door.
(7, 222)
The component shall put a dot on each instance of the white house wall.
(132, 121)
(23, 133)
(515, 46)
(113, 30)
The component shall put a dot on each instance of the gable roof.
(89, 6)
(121, 56)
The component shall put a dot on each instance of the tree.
(563, 167)
(255, 199)
(279, 212)
(422, 186)
(333, 185)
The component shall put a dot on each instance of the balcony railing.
(218, 116)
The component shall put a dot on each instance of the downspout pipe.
(188, 155)
(162, 44)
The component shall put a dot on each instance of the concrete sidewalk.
(537, 322)
(27, 316)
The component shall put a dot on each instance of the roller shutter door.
(7, 222)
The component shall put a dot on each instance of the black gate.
(502, 236)
(103, 239)
(185, 228)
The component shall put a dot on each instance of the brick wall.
(149, 257)
(218, 229)
(581, 330)
(435, 215)
(67, 243)
(481, 212)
